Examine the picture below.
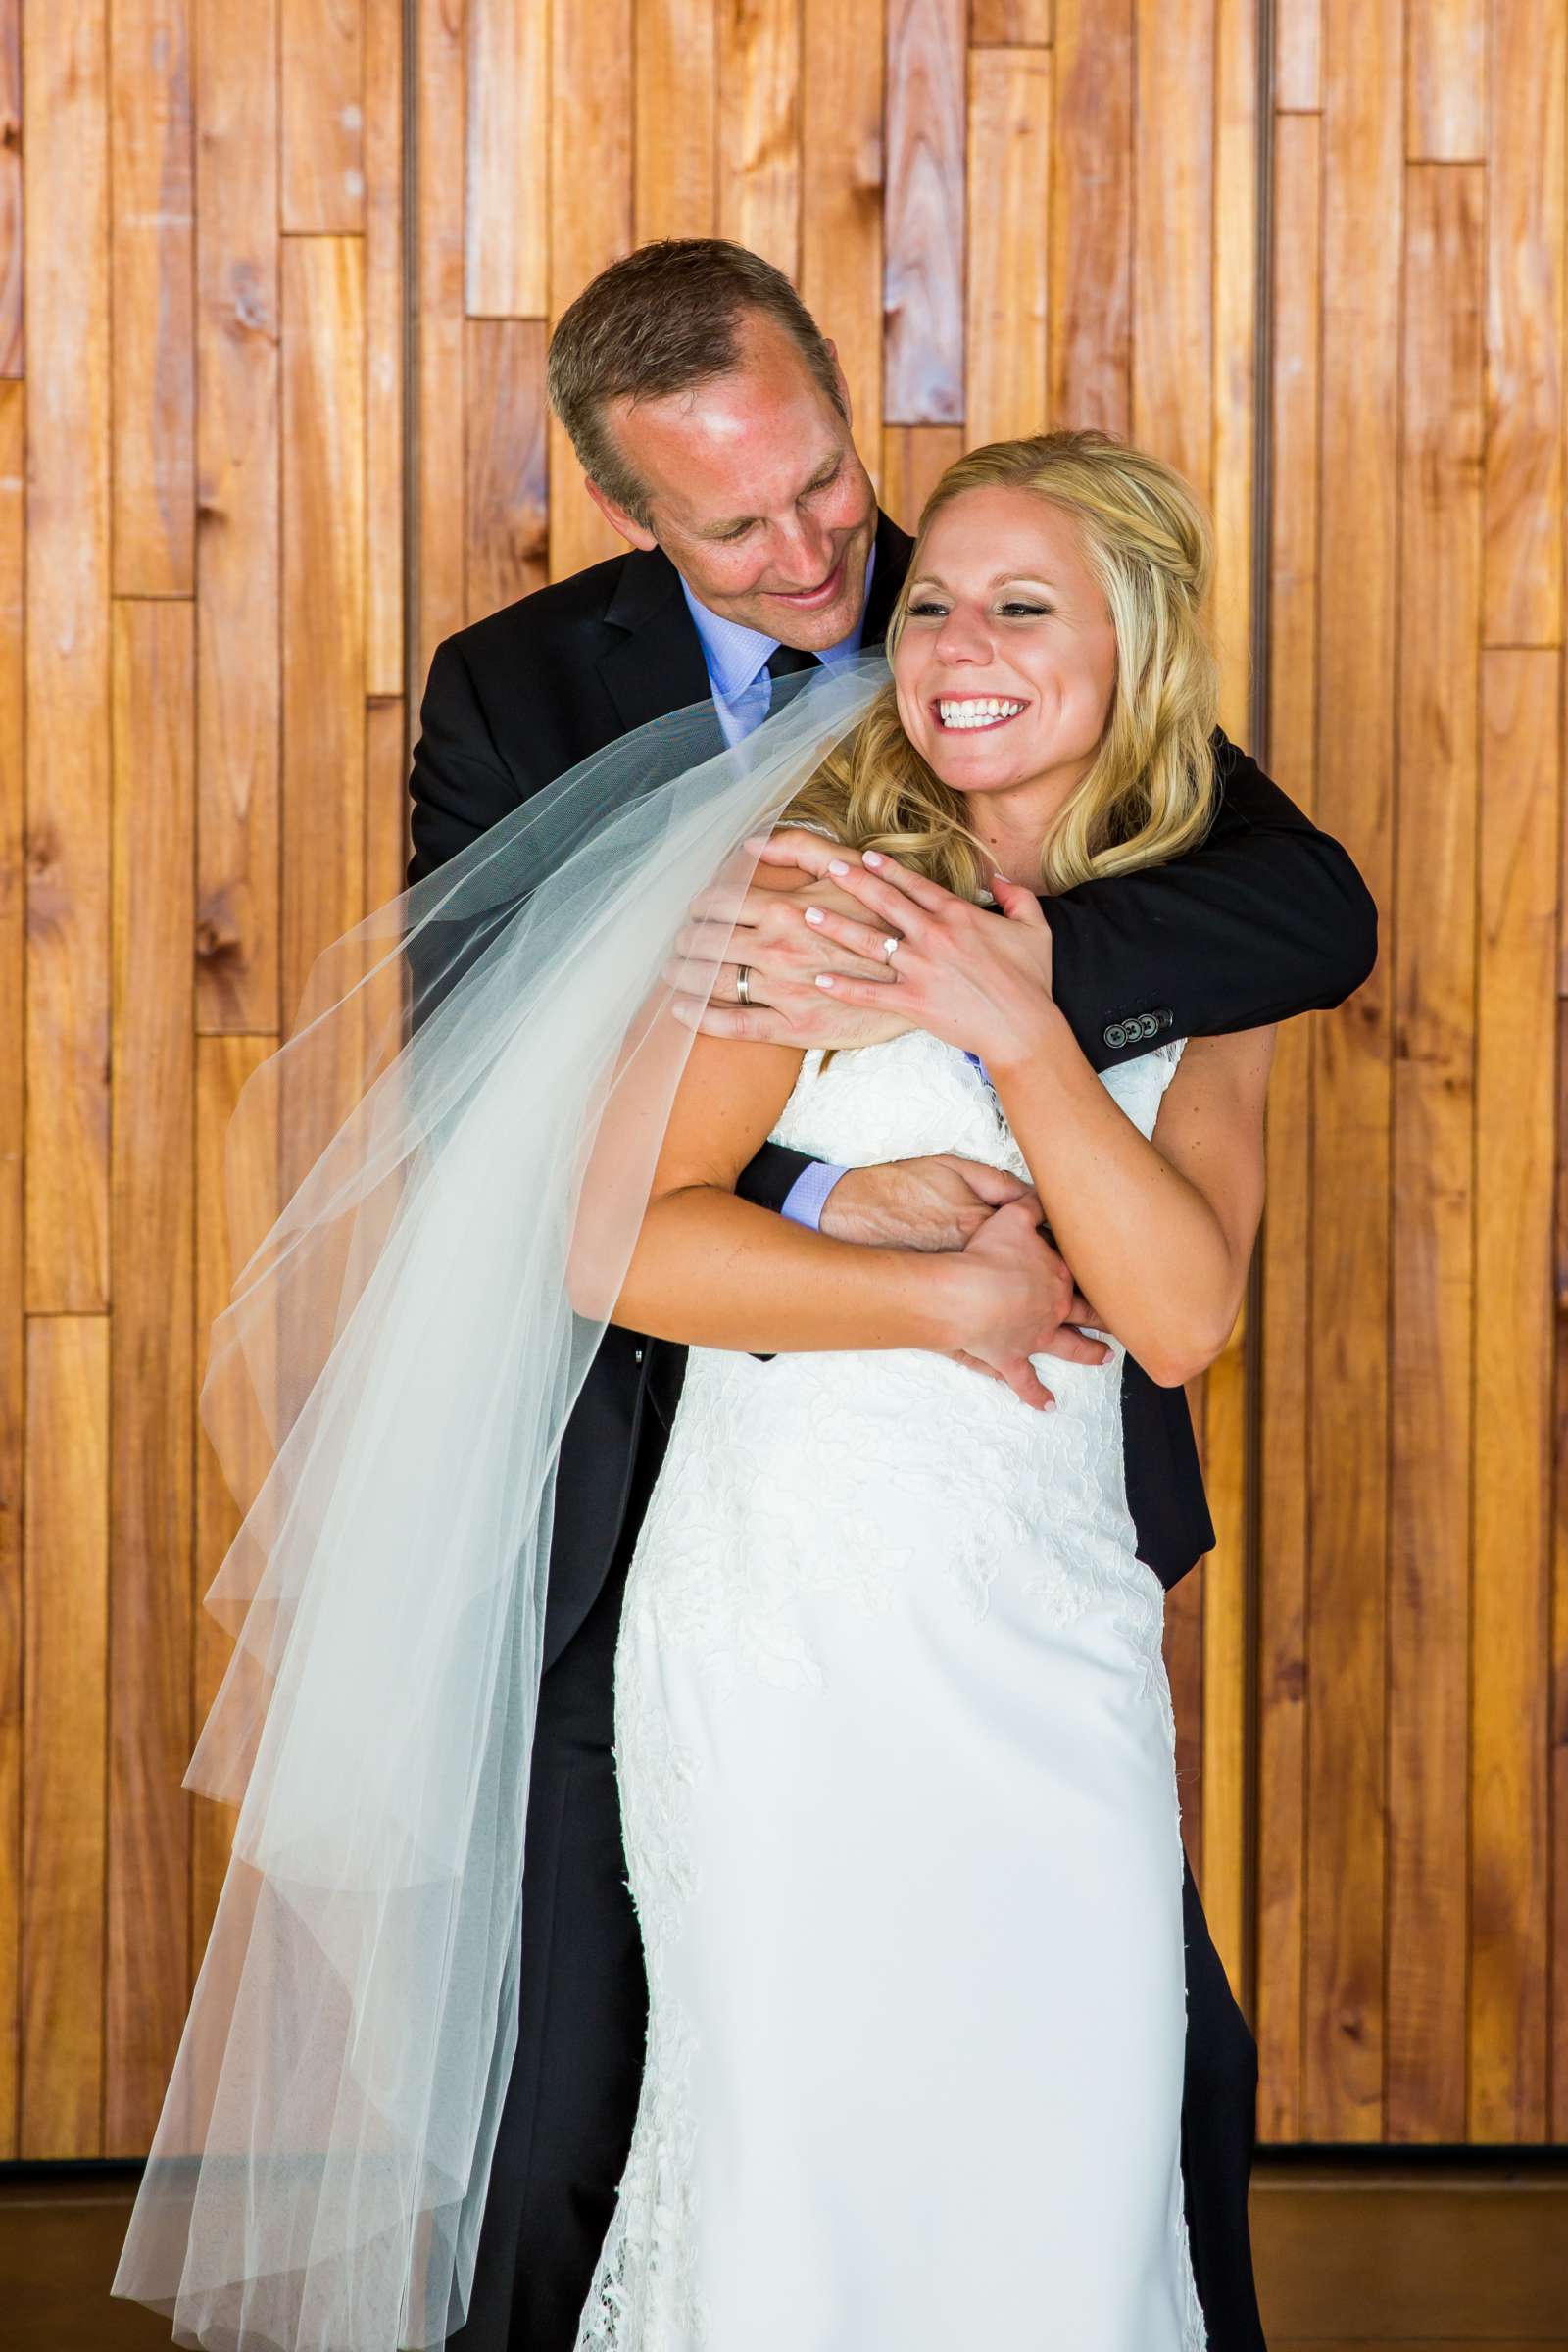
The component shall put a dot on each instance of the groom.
(713, 426)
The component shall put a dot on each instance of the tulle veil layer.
(434, 1188)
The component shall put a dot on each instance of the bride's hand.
(977, 983)
(763, 930)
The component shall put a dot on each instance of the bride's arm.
(1158, 1232)
(715, 1271)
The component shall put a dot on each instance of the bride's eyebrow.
(1000, 580)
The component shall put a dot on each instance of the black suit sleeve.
(461, 784)
(1267, 918)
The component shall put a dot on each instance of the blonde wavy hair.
(1151, 792)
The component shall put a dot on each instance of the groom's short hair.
(663, 318)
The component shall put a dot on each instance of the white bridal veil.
(386, 1392)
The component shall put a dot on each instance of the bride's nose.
(964, 636)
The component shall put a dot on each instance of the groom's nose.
(802, 553)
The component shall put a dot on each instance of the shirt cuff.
(806, 1197)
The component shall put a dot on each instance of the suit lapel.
(655, 665)
(894, 547)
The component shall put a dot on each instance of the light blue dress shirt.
(737, 660)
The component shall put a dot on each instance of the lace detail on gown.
(833, 1477)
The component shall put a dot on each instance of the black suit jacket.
(1267, 918)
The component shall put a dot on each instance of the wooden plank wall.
(217, 473)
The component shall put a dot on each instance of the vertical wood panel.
(62, 1828)
(437, 580)
(1433, 1077)
(11, 270)
(223, 1065)
(841, 225)
(506, 232)
(237, 490)
(507, 530)
(1008, 308)
(1010, 24)
(324, 601)
(12, 1388)
(154, 372)
(925, 211)
(1445, 86)
(914, 458)
(677, 100)
(321, 71)
(590, 224)
(1285, 1335)
(1515, 1042)
(1526, 205)
(1343, 2060)
(759, 152)
(1298, 54)
(384, 304)
(1172, 243)
(1091, 215)
(151, 1390)
(68, 657)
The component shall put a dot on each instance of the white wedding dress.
(897, 1778)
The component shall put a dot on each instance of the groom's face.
(756, 493)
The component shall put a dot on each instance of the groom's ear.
(636, 534)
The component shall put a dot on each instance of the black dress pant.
(567, 2121)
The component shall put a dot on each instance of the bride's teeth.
(979, 710)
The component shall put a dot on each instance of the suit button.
(1115, 1035)
(636, 1355)
(1166, 1017)
(1148, 1026)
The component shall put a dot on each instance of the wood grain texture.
(322, 92)
(1010, 24)
(1298, 54)
(1233, 482)
(1007, 390)
(759, 160)
(11, 270)
(222, 1067)
(507, 530)
(676, 99)
(507, 229)
(13, 1336)
(841, 91)
(1433, 1259)
(439, 247)
(324, 601)
(1510, 1864)
(64, 1731)
(1285, 1332)
(385, 301)
(151, 1361)
(154, 344)
(1362, 168)
(1446, 81)
(68, 658)
(914, 458)
(925, 211)
(1172, 242)
(590, 224)
(1091, 215)
(1525, 321)
(238, 584)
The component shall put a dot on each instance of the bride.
(893, 1733)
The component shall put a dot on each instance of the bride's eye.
(925, 611)
(1017, 605)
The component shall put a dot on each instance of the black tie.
(786, 660)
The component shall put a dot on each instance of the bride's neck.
(1015, 823)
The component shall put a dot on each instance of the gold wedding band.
(743, 981)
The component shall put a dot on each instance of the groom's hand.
(764, 931)
(945, 1202)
